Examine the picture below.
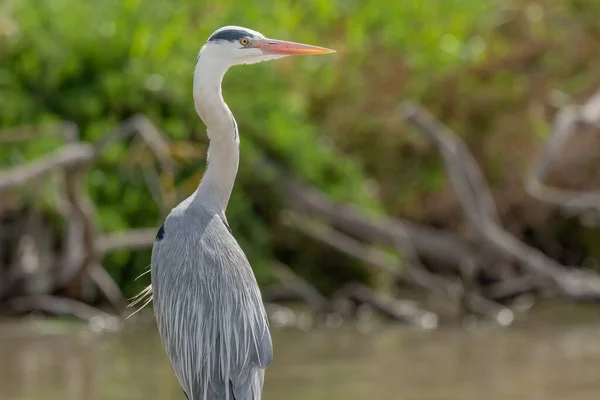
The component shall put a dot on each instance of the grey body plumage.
(209, 294)
(206, 299)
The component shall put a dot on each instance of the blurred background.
(420, 208)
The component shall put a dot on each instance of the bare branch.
(145, 129)
(25, 133)
(576, 284)
(343, 243)
(566, 123)
(134, 239)
(149, 133)
(69, 155)
(279, 293)
(403, 311)
(305, 290)
(80, 245)
(414, 275)
(108, 287)
(464, 173)
(511, 288)
(434, 245)
(79, 250)
(61, 306)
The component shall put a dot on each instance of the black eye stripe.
(230, 35)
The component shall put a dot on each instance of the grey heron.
(207, 303)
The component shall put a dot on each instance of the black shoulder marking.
(230, 35)
(161, 233)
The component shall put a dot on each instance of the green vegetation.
(483, 67)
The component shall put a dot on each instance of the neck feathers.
(223, 151)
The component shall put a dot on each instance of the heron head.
(234, 45)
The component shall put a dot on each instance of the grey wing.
(209, 310)
(249, 381)
(247, 376)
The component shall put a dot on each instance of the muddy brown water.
(42, 360)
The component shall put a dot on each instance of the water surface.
(47, 361)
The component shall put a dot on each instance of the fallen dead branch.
(471, 191)
(134, 239)
(402, 311)
(307, 292)
(141, 125)
(280, 293)
(81, 249)
(567, 122)
(436, 246)
(61, 306)
(348, 230)
(145, 130)
(345, 244)
(108, 287)
(413, 275)
(69, 155)
(511, 288)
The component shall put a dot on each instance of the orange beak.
(271, 46)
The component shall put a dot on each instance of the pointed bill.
(272, 46)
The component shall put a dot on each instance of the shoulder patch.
(161, 233)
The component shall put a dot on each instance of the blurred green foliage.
(329, 119)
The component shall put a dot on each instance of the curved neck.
(223, 151)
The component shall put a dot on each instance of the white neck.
(223, 151)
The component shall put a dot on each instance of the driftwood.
(307, 292)
(568, 121)
(79, 251)
(435, 245)
(473, 194)
(61, 306)
(134, 239)
(145, 131)
(511, 288)
(84, 247)
(280, 293)
(107, 286)
(69, 155)
(78, 265)
(413, 275)
(398, 310)
(342, 227)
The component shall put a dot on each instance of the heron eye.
(244, 41)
